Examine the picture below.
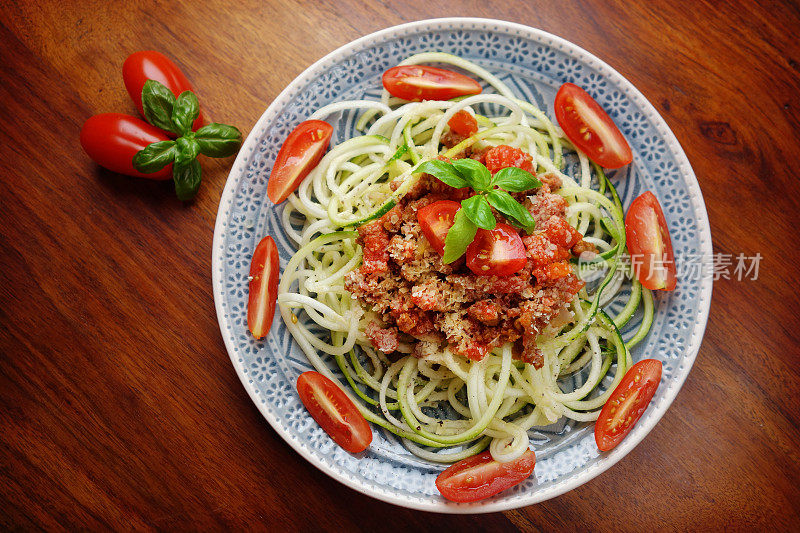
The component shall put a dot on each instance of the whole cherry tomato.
(112, 139)
(152, 65)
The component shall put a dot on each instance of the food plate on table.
(533, 65)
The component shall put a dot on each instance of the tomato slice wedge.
(498, 252)
(649, 244)
(334, 411)
(463, 123)
(420, 82)
(590, 128)
(479, 477)
(435, 220)
(627, 403)
(298, 156)
(263, 288)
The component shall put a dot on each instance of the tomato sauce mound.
(426, 304)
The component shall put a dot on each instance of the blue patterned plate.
(534, 63)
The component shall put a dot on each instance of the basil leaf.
(187, 150)
(442, 171)
(461, 234)
(476, 175)
(515, 180)
(505, 203)
(218, 140)
(185, 112)
(158, 102)
(479, 212)
(187, 179)
(154, 156)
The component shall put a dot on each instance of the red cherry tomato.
(504, 156)
(112, 139)
(627, 403)
(435, 220)
(298, 156)
(589, 127)
(151, 65)
(418, 82)
(334, 412)
(649, 244)
(263, 288)
(479, 477)
(498, 252)
(463, 123)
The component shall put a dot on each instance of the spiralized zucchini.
(446, 407)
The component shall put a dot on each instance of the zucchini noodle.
(446, 407)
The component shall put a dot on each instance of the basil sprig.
(476, 212)
(176, 115)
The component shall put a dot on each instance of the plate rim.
(444, 506)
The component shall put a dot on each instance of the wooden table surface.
(119, 407)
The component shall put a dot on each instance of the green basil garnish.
(460, 236)
(492, 191)
(176, 115)
(155, 156)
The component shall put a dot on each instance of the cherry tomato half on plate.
(300, 153)
(112, 139)
(479, 477)
(498, 252)
(589, 127)
(419, 82)
(649, 244)
(334, 411)
(152, 65)
(504, 156)
(627, 403)
(435, 220)
(463, 123)
(263, 289)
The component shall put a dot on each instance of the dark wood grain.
(119, 407)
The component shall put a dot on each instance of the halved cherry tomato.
(505, 156)
(649, 244)
(479, 477)
(589, 127)
(463, 123)
(334, 411)
(498, 252)
(627, 403)
(112, 139)
(435, 220)
(298, 156)
(419, 82)
(263, 288)
(152, 65)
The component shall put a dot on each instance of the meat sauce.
(428, 304)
